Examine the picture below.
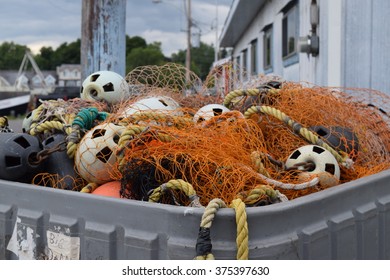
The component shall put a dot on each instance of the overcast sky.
(38, 23)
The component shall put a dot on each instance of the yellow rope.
(74, 135)
(3, 121)
(210, 211)
(207, 257)
(89, 188)
(175, 184)
(237, 93)
(57, 122)
(178, 121)
(68, 119)
(242, 239)
(248, 92)
(207, 220)
(130, 134)
(131, 131)
(36, 112)
(242, 229)
(71, 149)
(46, 126)
(257, 160)
(259, 192)
(300, 130)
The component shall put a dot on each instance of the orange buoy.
(111, 189)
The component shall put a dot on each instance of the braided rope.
(82, 121)
(158, 117)
(204, 250)
(4, 126)
(176, 184)
(89, 188)
(46, 126)
(210, 211)
(206, 257)
(71, 148)
(300, 130)
(258, 162)
(37, 112)
(126, 136)
(3, 121)
(289, 186)
(237, 93)
(242, 229)
(259, 192)
(130, 134)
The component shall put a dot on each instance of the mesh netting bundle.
(56, 181)
(316, 106)
(232, 153)
(51, 118)
(171, 80)
(363, 129)
(216, 160)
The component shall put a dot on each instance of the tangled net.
(234, 153)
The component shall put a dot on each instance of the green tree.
(201, 59)
(142, 56)
(45, 58)
(67, 53)
(11, 55)
(138, 53)
(134, 42)
(49, 59)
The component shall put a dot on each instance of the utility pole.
(103, 36)
(187, 13)
(188, 54)
(216, 32)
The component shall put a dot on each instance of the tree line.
(138, 53)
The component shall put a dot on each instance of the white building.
(49, 81)
(349, 46)
(69, 75)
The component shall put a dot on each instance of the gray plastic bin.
(349, 221)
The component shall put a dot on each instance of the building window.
(245, 63)
(290, 30)
(254, 57)
(267, 48)
(237, 69)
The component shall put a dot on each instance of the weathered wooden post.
(103, 36)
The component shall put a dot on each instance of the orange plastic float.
(111, 189)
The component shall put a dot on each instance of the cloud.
(171, 41)
(51, 22)
(170, 18)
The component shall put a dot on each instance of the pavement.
(16, 124)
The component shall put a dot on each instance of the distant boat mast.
(28, 57)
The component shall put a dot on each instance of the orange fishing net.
(221, 151)
(214, 159)
(66, 182)
(233, 152)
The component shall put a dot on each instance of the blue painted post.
(103, 36)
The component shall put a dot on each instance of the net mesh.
(233, 152)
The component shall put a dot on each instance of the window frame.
(245, 63)
(238, 69)
(254, 55)
(268, 36)
(290, 10)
